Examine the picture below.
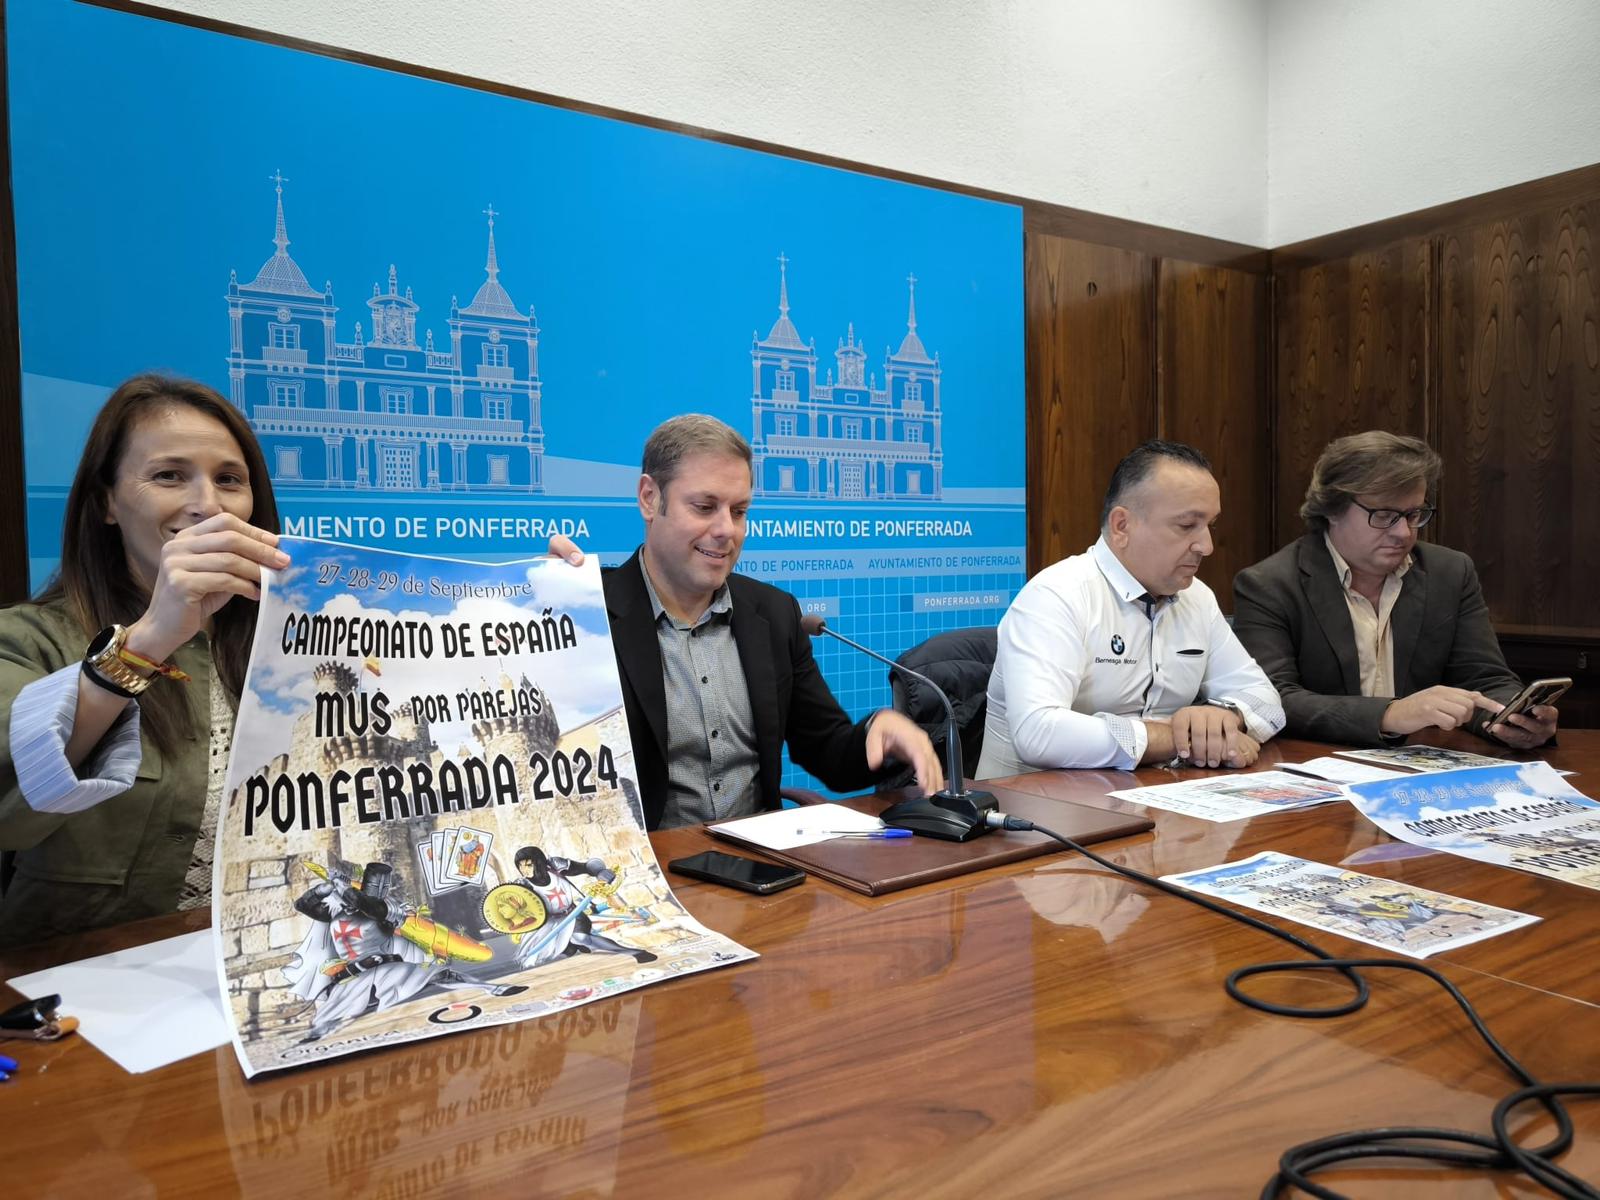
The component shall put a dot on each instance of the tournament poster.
(430, 819)
(1380, 912)
(1521, 815)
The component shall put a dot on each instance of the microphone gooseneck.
(954, 784)
(961, 814)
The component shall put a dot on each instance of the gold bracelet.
(104, 663)
(134, 659)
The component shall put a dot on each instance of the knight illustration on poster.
(430, 817)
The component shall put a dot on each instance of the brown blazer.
(1289, 611)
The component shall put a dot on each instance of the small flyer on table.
(1424, 758)
(1234, 797)
(1379, 912)
(1521, 815)
(430, 820)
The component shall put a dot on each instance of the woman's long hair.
(94, 579)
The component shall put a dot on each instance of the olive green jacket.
(123, 859)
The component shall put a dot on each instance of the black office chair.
(959, 661)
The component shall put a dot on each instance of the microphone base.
(948, 817)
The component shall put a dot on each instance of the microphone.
(954, 814)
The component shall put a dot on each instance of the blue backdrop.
(453, 316)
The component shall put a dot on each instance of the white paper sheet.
(790, 827)
(143, 1007)
(1235, 796)
(1340, 770)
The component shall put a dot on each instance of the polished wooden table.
(1041, 1029)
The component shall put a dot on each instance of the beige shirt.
(1374, 645)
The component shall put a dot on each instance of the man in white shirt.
(1119, 656)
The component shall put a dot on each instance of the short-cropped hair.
(1373, 463)
(692, 433)
(1136, 467)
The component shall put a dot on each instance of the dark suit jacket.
(789, 699)
(1289, 611)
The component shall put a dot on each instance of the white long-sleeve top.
(1083, 661)
(41, 726)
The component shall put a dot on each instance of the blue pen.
(875, 833)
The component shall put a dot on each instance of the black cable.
(1454, 1147)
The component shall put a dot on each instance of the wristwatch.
(103, 663)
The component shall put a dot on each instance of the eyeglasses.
(1388, 518)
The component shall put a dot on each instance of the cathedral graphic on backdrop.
(382, 412)
(844, 438)
(385, 413)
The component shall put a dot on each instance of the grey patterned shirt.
(712, 767)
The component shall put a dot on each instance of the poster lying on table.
(1379, 912)
(1523, 815)
(430, 820)
(1424, 758)
(1234, 797)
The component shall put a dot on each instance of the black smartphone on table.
(1540, 691)
(735, 871)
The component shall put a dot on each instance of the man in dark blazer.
(717, 674)
(1368, 634)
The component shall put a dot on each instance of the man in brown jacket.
(1368, 634)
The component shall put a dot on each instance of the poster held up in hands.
(430, 819)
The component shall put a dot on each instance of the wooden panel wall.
(1353, 340)
(1211, 375)
(1479, 330)
(1091, 383)
(1520, 398)
(1125, 346)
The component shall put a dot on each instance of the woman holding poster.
(119, 681)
